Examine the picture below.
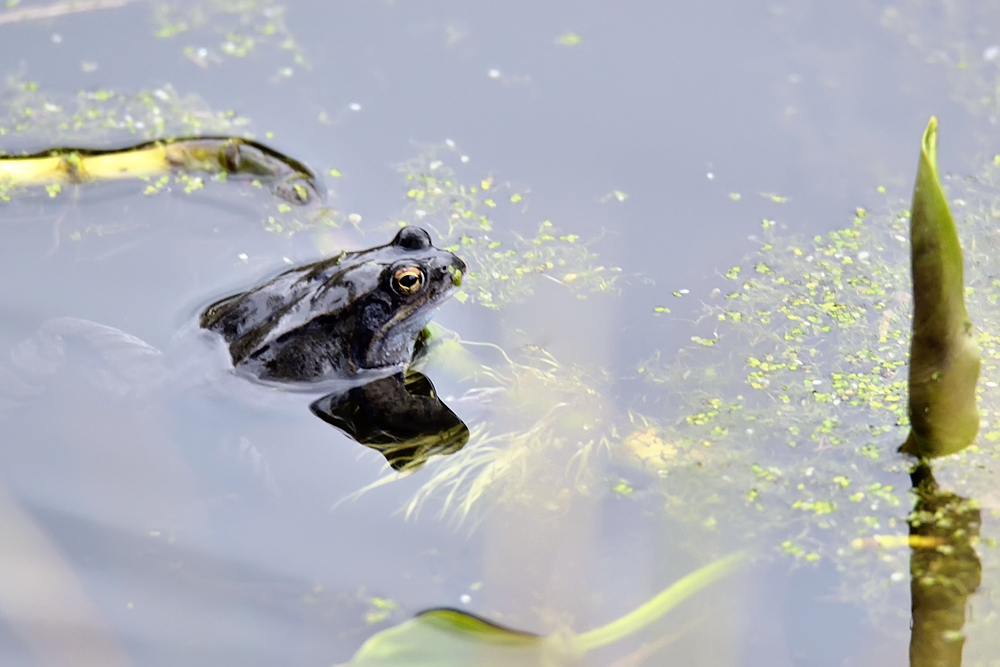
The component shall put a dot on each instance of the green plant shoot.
(944, 355)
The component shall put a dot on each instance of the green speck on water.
(622, 489)
(569, 39)
(171, 29)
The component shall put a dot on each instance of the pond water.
(638, 406)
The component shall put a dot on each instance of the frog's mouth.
(395, 339)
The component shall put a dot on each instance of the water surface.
(206, 526)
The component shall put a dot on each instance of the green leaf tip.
(928, 147)
(944, 356)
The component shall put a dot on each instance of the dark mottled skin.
(335, 317)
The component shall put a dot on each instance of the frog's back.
(247, 320)
(336, 317)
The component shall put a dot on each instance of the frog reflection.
(352, 322)
(400, 416)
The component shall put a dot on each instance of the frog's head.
(413, 278)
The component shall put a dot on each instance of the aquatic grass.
(555, 424)
(488, 462)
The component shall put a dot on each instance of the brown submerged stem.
(60, 9)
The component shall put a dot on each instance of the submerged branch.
(60, 9)
(225, 156)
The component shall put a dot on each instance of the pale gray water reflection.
(205, 522)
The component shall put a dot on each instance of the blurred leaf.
(443, 637)
(944, 356)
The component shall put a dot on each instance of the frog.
(346, 329)
(338, 318)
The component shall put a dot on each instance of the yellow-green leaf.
(452, 638)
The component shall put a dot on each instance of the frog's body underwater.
(335, 318)
(340, 321)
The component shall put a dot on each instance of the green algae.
(778, 425)
(503, 267)
(806, 426)
(214, 31)
(30, 115)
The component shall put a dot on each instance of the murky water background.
(204, 526)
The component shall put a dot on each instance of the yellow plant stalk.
(214, 155)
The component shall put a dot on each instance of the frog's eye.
(407, 281)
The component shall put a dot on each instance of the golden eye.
(407, 281)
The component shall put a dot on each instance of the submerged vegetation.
(780, 424)
(142, 136)
(443, 637)
(221, 157)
